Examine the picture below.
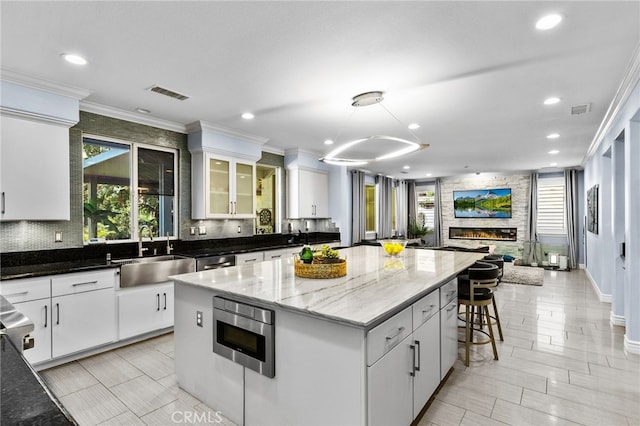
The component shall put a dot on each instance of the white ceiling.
(472, 74)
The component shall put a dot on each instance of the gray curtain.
(384, 206)
(571, 185)
(437, 214)
(358, 210)
(402, 203)
(532, 253)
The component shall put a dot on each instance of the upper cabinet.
(308, 193)
(34, 152)
(223, 172)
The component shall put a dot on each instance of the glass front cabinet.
(229, 188)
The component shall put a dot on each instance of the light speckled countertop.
(376, 286)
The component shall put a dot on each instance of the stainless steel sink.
(152, 270)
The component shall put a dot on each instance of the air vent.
(580, 109)
(167, 92)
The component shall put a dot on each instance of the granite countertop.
(375, 288)
(24, 399)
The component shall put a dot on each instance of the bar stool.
(474, 291)
(499, 262)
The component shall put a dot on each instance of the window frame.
(134, 191)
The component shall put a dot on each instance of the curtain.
(384, 206)
(571, 188)
(402, 204)
(437, 214)
(358, 210)
(412, 205)
(532, 253)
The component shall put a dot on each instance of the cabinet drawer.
(388, 334)
(448, 292)
(425, 308)
(82, 281)
(16, 291)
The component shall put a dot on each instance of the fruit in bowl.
(393, 247)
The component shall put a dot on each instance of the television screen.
(482, 203)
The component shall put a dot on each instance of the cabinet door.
(39, 312)
(83, 320)
(426, 340)
(449, 337)
(245, 194)
(34, 170)
(144, 309)
(313, 194)
(390, 387)
(218, 187)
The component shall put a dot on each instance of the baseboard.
(617, 320)
(605, 298)
(631, 346)
(582, 266)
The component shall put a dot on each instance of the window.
(425, 200)
(551, 202)
(370, 207)
(128, 187)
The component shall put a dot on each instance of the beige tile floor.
(561, 363)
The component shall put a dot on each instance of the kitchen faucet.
(140, 249)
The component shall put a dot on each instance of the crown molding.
(41, 84)
(214, 128)
(273, 150)
(625, 89)
(132, 117)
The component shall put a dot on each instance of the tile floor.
(561, 363)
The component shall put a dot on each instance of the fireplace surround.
(468, 233)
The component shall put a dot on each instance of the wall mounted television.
(482, 203)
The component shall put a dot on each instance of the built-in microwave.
(244, 334)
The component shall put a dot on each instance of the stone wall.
(519, 184)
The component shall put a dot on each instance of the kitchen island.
(367, 348)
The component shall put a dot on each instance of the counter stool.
(499, 262)
(474, 291)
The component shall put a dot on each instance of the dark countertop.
(53, 262)
(24, 398)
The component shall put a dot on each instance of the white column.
(617, 230)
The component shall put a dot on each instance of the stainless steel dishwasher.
(215, 262)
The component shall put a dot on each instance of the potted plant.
(417, 230)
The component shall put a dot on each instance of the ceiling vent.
(167, 92)
(580, 109)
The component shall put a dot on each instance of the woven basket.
(320, 270)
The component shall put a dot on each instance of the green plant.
(417, 230)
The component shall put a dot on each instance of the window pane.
(106, 190)
(551, 204)
(425, 198)
(393, 209)
(156, 186)
(370, 208)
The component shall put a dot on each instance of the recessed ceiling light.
(554, 151)
(553, 136)
(428, 175)
(247, 116)
(414, 126)
(553, 164)
(328, 142)
(552, 100)
(548, 21)
(74, 59)
(406, 167)
(143, 110)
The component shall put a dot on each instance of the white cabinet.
(82, 311)
(308, 193)
(144, 309)
(402, 381)
(222, 187)
(448, 326)
(71, 312)
(34, 170)
(246, 258)
(32, 297)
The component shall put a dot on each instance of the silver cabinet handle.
(165, 301)
(85, 283)
(157, 301)
(417, 367)
(426, 311)
(452, 307)
(396, 334)
(46, 316)
(2, 202)
(58, 314)
(412, 373)
(22, 293)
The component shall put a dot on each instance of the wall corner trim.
(602, 297)
(631, 346)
